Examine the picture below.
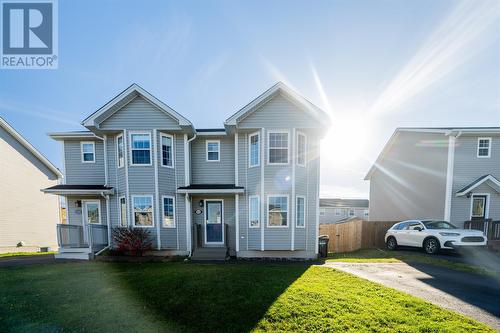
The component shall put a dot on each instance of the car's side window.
(413, 225)
(400, 226)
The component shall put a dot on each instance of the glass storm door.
(214, 224)
(91, 215)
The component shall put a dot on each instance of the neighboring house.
(27, 216)
(249, 189)
(440, 173)
(337, 210)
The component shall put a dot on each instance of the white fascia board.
(9, 129)
(495, 185)
(79, 192)
(59, 136)
(134, 88)
(211, 133)
(214, 191)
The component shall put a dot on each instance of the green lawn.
(16, 254)
(385, 256)
(185, 297)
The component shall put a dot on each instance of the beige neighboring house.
(27, 216)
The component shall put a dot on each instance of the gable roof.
(344, 203)
(133, 91)
(488, 179)
(456, 131)
(279, 88)
(19, 138)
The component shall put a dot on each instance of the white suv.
(431, 235)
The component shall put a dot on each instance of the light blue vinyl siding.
(467, 168)
(79, 173)
(204, 172)
(139, 114)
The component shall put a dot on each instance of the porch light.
(200, 203)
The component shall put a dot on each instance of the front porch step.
(83, 253)
(209, 253)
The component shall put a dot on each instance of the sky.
(372, 65)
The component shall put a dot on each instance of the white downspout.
(449, 176)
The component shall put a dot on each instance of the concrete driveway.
(473, 295)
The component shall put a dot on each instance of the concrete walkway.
(473, 295)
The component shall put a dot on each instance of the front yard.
(185, 297)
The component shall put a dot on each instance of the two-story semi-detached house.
(249, 189)
(336, 210)
(440, 173)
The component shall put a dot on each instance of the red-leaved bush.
(136, 240)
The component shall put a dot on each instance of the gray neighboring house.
(337, 210)
(440, 173)
(27, 216)
(248, 189)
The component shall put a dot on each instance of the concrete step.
(72, 255)
(209, 253)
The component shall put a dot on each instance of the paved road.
(473, 295)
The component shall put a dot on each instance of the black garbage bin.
(323, 245)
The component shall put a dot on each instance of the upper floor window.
(213, 150)
(483, 147)
(300, 212)
(120, 149)
(123, 212)
(322, 211)
(254, 149)
(351, 212)
(301, 149)
(167, 151)
(338, 211)
(140, 148)
(88, 152)
(254, 212)
(366, 213)
(278, 148)
(277, 208)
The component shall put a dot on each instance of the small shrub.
(135, 240)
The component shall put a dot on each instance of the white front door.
(91, 215)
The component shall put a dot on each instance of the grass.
(384, 256)
(185, 297)
(16, 254)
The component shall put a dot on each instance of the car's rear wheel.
(391, 243)
(431, 246)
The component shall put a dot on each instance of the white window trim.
(486, 204)
(287, 210)
(269, 147)
(305, 211)
(161, 150)
(250, 150)
(305, 149)
(132, 149)
(250, 212)
(338, 212)
(218, 150)
(489, 147)
(222, 221)
(163, 197)
(117, 150)
(120, 212)
(93, 150)
(84, 210)
(132, 206)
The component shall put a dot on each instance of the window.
(413, 225)
(143, 210)
(351, 212)
(140, 148)
(168, 212)
(277, 208)
(213, 150)
(483, 147)
(254, 150)
(88, 152)
(123, 212)
(301, 149)
(300, 214)
(366, 213)
(92, 212)
(337, 211)
(120, 151)
(322, 211)
(278, 148)
(254, 212)
(400, 226)
(478, 206)
(167, 152)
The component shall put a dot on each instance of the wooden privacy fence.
(355, 234)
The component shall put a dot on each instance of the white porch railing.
(93, 236)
